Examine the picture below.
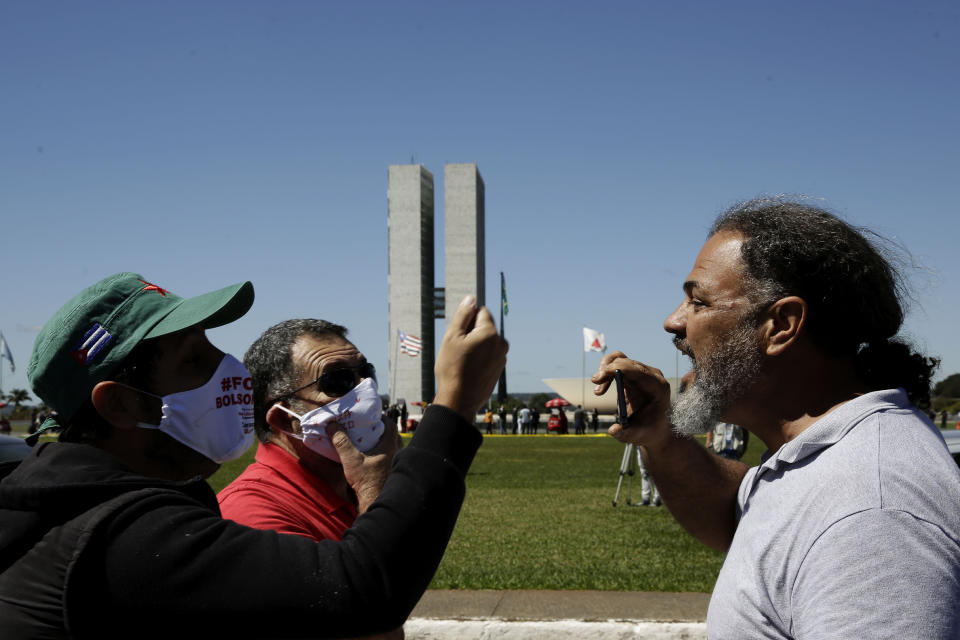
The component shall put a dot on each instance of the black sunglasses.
(336, 382)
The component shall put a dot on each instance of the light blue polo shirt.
(850, 530)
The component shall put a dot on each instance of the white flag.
(593, 340)
(5, 352)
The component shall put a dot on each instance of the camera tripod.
(628, 467)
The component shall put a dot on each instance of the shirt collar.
(276, 457)
(832, 427)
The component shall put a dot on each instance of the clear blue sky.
(205, 143)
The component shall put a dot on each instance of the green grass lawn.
(538, 515)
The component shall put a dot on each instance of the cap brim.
(210, 310)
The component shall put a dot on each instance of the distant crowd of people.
(524, 420)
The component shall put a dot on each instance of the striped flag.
(90, 344)
(410, 345)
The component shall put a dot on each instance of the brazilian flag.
(503, 294)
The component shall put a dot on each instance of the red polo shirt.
(276, 493)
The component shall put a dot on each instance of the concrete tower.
(464, 244)
(410, 279)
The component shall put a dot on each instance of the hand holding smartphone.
(622, 417)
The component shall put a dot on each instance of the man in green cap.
(113, 530)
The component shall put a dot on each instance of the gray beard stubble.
(722, 377)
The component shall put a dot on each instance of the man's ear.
(783, 321)
(279, 420)
(117, 404)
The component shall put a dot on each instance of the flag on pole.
(5, 352)
(503, 294)
(410, 345)
(593, 340)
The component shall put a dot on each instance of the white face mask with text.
(359, 412)
(215, 419)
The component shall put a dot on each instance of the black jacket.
(90, 549)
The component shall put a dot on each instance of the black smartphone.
(621, 399)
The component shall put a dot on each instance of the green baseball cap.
(86, 341)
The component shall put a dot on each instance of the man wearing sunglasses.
(306, 375)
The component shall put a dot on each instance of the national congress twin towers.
(415, 301)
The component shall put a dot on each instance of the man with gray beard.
(849, 528)
(718, 381)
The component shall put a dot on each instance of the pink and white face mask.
(359, 412)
